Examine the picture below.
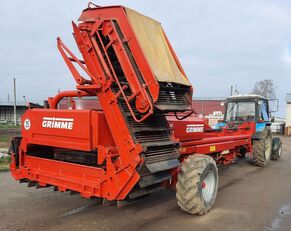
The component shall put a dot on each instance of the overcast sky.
(220, 43)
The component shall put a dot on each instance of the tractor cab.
(247, 108)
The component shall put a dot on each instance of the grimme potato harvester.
(140, 134)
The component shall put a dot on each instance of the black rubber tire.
(276, 148)
(189, 185)
(262, 148)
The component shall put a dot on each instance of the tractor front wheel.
(197, 184)
(262, 148)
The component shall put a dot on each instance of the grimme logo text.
(60, 123)
(194, 128)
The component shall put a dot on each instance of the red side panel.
(73, 129)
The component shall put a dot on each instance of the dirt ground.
(249, 198)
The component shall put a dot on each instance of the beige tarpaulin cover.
(154, 45)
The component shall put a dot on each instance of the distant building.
(210, 108)
(7, 111)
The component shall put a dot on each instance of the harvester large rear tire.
(197, 184)
(262, 148)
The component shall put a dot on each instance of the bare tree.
(265, 88)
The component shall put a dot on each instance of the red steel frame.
(106, 130)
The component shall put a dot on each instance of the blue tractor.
(253, 108)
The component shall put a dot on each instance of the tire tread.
(188, 197)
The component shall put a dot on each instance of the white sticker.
(194, 128)
(27, 124)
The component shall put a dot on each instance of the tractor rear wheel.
(276, 148)
(262, 148)
(197, 184)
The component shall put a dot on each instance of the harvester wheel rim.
(208, 186)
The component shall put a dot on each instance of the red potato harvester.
(140, 133)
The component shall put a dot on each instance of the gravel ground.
(249, 198)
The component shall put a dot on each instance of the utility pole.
(231, 90)
(14, 91)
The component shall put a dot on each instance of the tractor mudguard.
(257, 136)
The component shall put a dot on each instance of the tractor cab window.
(241, 112)
(263, 113)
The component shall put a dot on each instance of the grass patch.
(5, 163)
(4, 141)
(5, 138)
(9, 125)
(4, 167)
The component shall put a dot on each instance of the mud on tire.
(262, 148)
(193, 194)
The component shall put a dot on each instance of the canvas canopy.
(155, 48)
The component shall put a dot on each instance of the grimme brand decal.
(194, 128)
(60, 123)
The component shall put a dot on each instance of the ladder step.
(159, 144)
(154, 179)
(162, 165)
(143, 191)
